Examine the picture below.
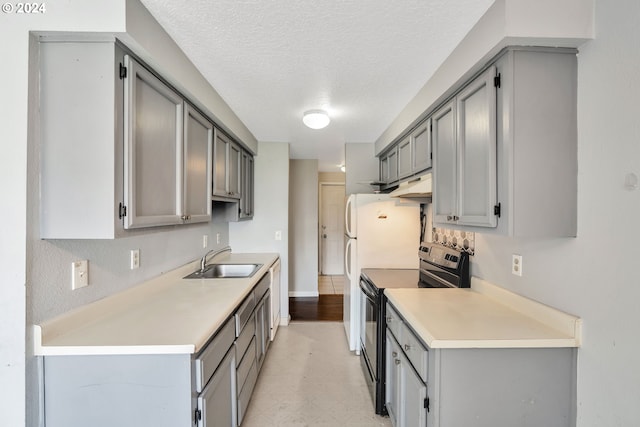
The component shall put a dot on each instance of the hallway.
(310, 379)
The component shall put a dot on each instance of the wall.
(361, 168)
(303, 228)
(595, 274)
(271, 213)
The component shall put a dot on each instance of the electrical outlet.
(278, 235)
(205, 240)
(217, 238)
(79, 274)
(516, 264)
(135, 258)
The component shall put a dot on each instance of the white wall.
(271, 213)
(303, 228)
(595, 275)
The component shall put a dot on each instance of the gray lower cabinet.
(480, 387)
(209, 389)
(406, 391)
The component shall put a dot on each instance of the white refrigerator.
(380, 232)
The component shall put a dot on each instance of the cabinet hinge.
(122, 211)
(197, 416)
(496, 80)
(496, 210)
(123, 71)
(426, 403)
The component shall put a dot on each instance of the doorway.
(331, 229)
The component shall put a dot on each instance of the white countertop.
(165, 315)
(484, 316)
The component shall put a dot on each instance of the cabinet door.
(476, 134)
(233, 171)
(392, 386)
(198, 139)
(246, 201)
(421, 146)
(405, 160)
(384, 169)
(445, 163)
(392, 159)
(153, 150)
(220, 161)
(412, 396)
(217, 402)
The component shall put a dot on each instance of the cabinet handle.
(397, 361)
(394, 354)
(407, 347)
(449, 217)
(389, 319)
(455, 217)
(186, 217)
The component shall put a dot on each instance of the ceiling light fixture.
(316, 119)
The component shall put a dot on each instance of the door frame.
(321, 184)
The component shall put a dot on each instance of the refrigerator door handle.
(347, 216)
(347, 258)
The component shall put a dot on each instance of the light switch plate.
(79, 274)
(205, 240)
(278, 235)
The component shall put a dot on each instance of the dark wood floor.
(323, 307)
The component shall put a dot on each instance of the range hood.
(417, 188)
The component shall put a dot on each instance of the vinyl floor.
(310, 379)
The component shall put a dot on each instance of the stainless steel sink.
(222, 271)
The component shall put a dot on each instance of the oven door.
(368, 326)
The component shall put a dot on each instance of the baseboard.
(301, 294)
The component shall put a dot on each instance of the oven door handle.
(367, 292)
(437, 279)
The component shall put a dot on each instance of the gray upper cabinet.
(515, 145)
(464, 138)
(421, 147)
(247, 184)
(445, 165)
(227, 159)
(198, 141)
(389, 166)
(405, 158)
(408, 157)
(81, 140)
(121, 149)
(153, 149)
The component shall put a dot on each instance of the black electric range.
(440, 267)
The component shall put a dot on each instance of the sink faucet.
(215, 252)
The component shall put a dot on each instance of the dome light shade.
(316, 119)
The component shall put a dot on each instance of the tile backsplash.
(461, 240)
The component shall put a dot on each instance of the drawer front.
(415, 351)
(245, 393)
(394, 321)
(244, 313)
(262, 286)
(245, 338)
(209, 359)
(244, 367)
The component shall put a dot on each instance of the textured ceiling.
(361, 60)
